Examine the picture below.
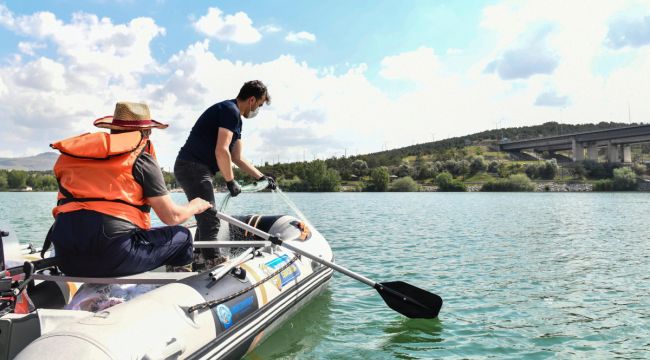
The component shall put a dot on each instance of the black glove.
(272, 185)
(233, 187)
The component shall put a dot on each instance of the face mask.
(252, 114)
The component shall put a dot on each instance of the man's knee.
(181, 233)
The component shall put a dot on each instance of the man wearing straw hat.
(213, 145)
(107, 185)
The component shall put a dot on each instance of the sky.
(345, 77)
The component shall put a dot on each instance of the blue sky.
(346, 77)
(347, 33)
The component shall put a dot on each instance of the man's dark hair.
(254, 88)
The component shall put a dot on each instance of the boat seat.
(152, 277)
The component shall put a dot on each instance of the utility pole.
(629, 113)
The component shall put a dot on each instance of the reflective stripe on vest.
(95, 172)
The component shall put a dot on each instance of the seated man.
(107, 185)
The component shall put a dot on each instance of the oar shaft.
(243, 225)
(267, 236)
(229, 244)
(406, 299)
(332, 265)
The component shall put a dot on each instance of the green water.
(523, 275)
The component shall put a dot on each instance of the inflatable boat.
(280, 264)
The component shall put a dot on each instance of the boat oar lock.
(402, 297)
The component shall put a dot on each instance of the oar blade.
(409, 300)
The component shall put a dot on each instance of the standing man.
(213, 145)
(107, 185)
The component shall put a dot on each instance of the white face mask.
(252, 114)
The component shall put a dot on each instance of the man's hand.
(271, 180)
(199, 205)
(233, 187)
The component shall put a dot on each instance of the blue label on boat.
(229, 315)
(286, 275)
(241, 306)
(224, 315)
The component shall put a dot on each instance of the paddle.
(402, 297)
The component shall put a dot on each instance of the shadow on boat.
(308, 328)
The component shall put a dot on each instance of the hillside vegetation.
(455, 164)
(471, 162)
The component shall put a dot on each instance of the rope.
(212, 303)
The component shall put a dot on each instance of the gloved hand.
(233, 187)
(271, 180)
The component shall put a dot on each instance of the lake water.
(523, 275)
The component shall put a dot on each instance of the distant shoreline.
(541, 186)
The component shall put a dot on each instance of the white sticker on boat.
(224, 315)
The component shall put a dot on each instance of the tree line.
(445, 163)
(21, 179)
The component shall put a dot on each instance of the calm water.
(529, 275)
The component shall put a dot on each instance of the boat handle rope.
(212, 303)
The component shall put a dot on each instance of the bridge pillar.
(612, 153)
(592, 152)
(627, 154)
(578, 150)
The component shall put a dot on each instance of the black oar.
(404, 298)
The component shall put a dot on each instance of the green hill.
(41, 162)
(470, 160)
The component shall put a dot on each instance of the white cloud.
(302, 36)
(530, 59)
(322, 111)
(6, 17)
(550, 98)
(97, 63)
(42, 74)
(629, 32)
(29, 48)
(270, 28)
(417, 66)
(236, 28)
(575, 41)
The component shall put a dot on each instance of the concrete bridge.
(617, 142)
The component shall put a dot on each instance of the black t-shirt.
(147, 173)
(202, 140)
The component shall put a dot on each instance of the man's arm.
(173, 214)
(242, 163)
(222, 153)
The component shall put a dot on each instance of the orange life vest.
(95, 172)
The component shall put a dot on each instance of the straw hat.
(129, 116)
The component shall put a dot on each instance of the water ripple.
(524, 275)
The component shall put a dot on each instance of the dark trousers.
(197, 181)
(84, 248)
